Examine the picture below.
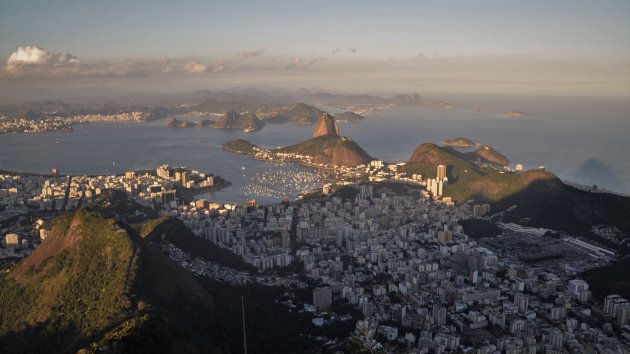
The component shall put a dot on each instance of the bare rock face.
(326, 125)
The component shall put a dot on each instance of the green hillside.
(426, 157)
(90, 275)
(330, 149)
(539, 197)
(240, 146)
(98, 285)
(487, 154)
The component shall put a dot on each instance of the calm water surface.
(582, 141)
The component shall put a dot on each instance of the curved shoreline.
(300, 162)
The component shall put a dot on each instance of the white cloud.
(37, 56)
(195, 67)
(35, 59)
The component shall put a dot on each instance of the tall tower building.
(184, 178)
(439, 314)
(441, 172)
(521, 301)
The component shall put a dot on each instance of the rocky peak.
(326, 125)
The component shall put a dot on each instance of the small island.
(513, 114)
(349, 116)
(207, 123)
(437, 104)
(459, 142)
(248, 122)
(176, 123)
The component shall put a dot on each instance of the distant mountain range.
(299, 113)
(44, 109)
(277, 105)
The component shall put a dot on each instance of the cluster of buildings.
(54, 123)
(407, 264)
(260, 235)
(24, 125)
(216, 271)
(32, 198)
(378, 171)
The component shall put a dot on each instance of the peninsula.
(325, 149)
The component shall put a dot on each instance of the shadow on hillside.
(551, 204)
(43, 337)
(595, 167)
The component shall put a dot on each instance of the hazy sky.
(556, 47)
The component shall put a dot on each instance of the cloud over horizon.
(33, 61)
(33, 58)
(341, 67)
(195, 67)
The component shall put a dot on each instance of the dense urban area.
(395, 248)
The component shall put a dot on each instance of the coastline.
(297, 161)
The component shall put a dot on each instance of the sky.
(522, 47)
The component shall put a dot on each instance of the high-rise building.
(521, 301)
(201, 204)
(441, 172)
(556, 338)
(184, 178)
(322, 297)
(439, 314)
(609, 303)
(623, 314)
(11, 240)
